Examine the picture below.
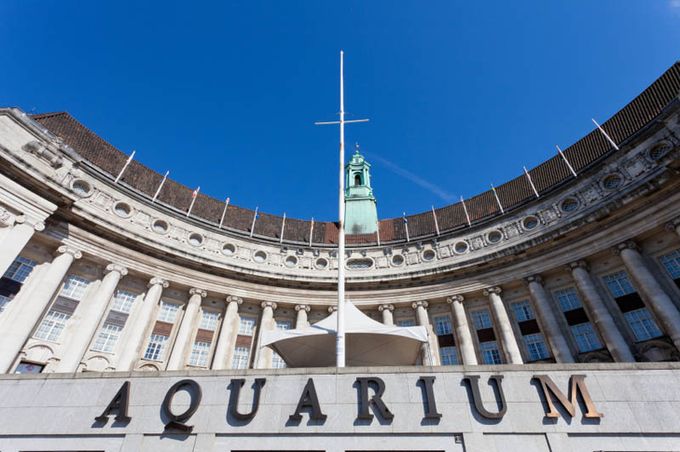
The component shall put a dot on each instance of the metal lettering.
(430, 403)
(309, 400)
(376, 401)
(473, 381)
(236, 385)
(576, 386)
(119, 404)
(178, 421)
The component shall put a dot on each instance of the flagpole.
(340, 333)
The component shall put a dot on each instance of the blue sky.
(224, 94)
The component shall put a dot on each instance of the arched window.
(357, 179)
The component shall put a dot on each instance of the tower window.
(357, 179)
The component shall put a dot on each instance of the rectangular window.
(168, 312)
(4, 301)
(199, 354)
(107, 338)
(481, 319)
(490, 353)
(74, 287)
(284, 324)
(536, 347)
(585, 337)
(240, 360)
(278, 362)
(619, 285)
(123, 300)
(449, 356)
(642, 323)
(25, 367)
(406, 322)
(20, 269)
(671, 263)
(522, 310)
(246, 326)
(442, 325)
(154, 350)
(568, 299)
(209, 320)
(51, 326)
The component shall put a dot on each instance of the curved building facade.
(111, 267)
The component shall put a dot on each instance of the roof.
(515, 193)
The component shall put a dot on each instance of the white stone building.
(572, 270)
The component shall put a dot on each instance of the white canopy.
(368, 343)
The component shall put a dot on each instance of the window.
(122, 301)
(536, 346)
(568, 299)
(357, 179)
(481, 319)
(209, 320)
(25, 367)
(671, 263)
(618, 284)
(406, 322)
(442, 325)
(240, 360)
(51, 326)
(246, 326)
(522, 310)
(74, 287)
(168, 312)
(199, 354)
(154, 350)
(449, 356)
(284, 324)
(20, 269)
(278, 362)
(585, 337)
(4, 301)
(107, 338)
(490, 352)
(643, 325)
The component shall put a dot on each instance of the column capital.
(5, 218)
(158, 281)
(200, 292)
(332, 309)
(66, 249)
(39, 226)
(234, 299)
(386, 307)
(455, 298)
(492, 290)
(673, 225)
(418, 304)
(268, 304)
(116, 268)
(627, 245)
(303, 307)
(534, 279)
(578, 264)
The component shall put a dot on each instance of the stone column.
(135, 338)
(387, 317)
(508, 340)
(463, 334)
(14, 240)
(603, 320)
(177, 359)
(21, 325)
(87, 316)
(431, 348)
(658, 299)
(226, 341)
(267, 323)
(546, 318)
(301, 320)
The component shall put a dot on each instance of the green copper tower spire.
(361, 214)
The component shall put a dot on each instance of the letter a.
(119, 405)
(308, 399)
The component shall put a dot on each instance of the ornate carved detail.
(579, 264)
(65, 249)
(673, 225)
(6, 218)
(534, 279)
(268, 304)
(597, 356)
(386, 307)
(455, 298)
(200, 292)
(655, 350)
(39, 226)
(332, 309)
(116, 268)
(303, 307)
(234, 299)
(157, 280)
(492, 290)
(418, 304)
(45, 153)
(627, 245)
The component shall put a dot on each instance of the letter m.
(576, 387)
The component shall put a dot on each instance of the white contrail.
(406, 174)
